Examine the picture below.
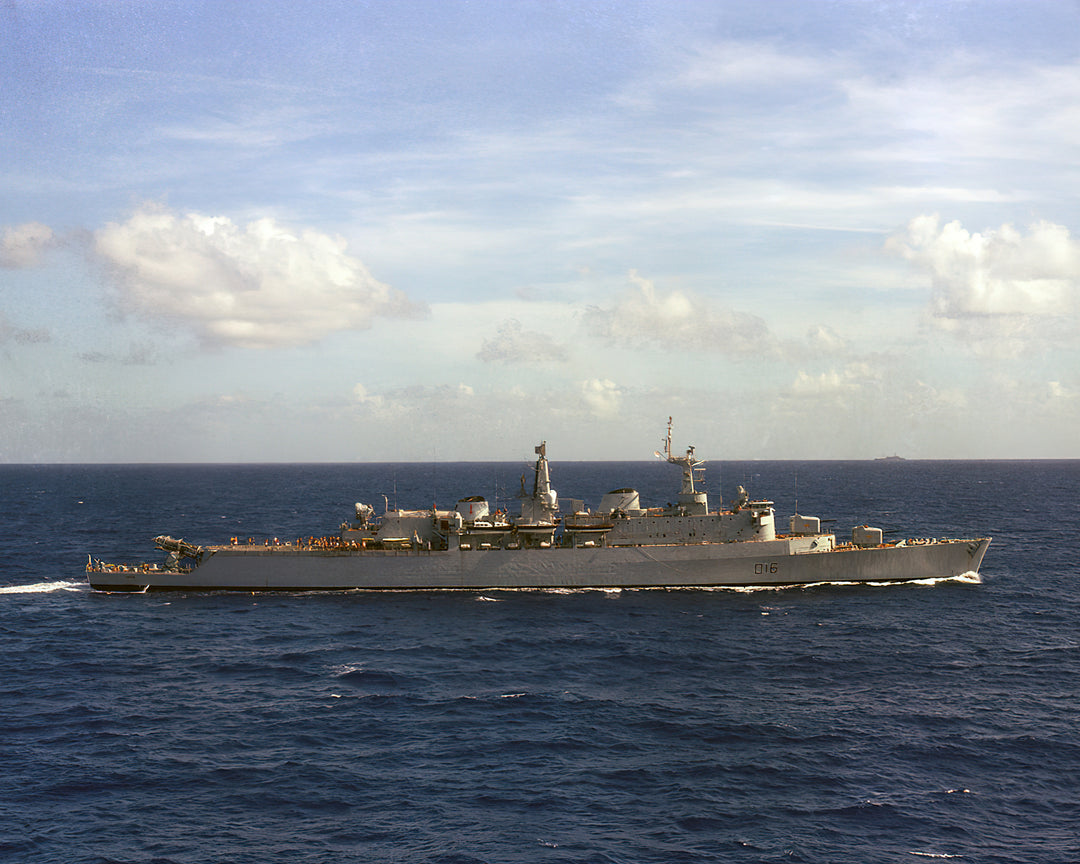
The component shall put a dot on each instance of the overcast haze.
(286, 231)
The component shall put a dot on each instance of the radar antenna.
(688, 463)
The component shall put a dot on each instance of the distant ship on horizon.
(893, 458)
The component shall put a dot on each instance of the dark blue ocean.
(836, 723)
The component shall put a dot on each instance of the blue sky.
(413, 231)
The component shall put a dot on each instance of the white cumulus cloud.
(601, 396)
(824, 340)
(997, 272)
(998, 289)
(675, 320)
(259, 285)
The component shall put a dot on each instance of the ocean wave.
(810, 723)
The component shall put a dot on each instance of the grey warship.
(619, 544)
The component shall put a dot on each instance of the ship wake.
(43, 588)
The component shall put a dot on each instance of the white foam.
(970, 578)
(43, 587)
(346, 669)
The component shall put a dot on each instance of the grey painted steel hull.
(764, 563)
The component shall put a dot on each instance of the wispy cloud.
(138, 354)
(256, 128)
(20, 335)
(971, 107)
(414, 404)
(22, 246)
(514, 344)
(841, 384)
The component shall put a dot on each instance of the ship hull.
(766, 563)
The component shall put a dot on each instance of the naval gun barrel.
(170, 544)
